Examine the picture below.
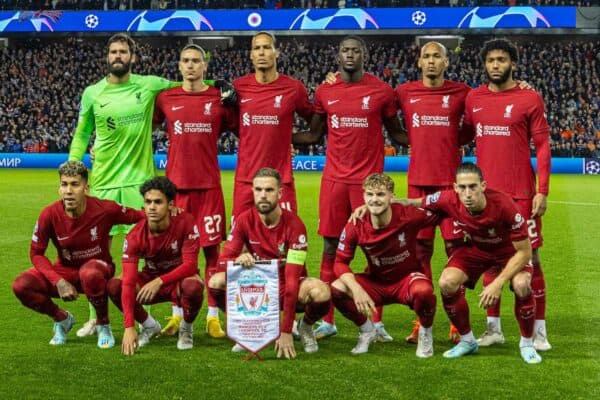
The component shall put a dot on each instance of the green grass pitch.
(31, 369)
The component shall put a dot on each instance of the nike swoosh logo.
(369, 247)
(211, 238)
(104, 105)
(456, 231)
(62, 238)
(245, 100)
(412, 101)
(174, 108)
(330, 102)
(253, 242)
(477, 109)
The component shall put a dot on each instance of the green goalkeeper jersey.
(121, 115)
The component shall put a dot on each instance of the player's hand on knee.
(245, 260)
(66, 291)
(358, 214)
(149, 291)
(130, 341)
(364, 302)
(490, 295)
(284, 346)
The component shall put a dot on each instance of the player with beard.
(119, 110)
(352, 111)
(195, 118)
(269, 232)
(267, 103)
(433, 109)
(505, 119)
(388, 237)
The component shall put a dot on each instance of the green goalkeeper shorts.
(128, 196)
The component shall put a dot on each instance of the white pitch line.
(574, 203)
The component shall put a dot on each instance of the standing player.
(498, 243)
(119, 110)
(387, 236)
(433, 109)
(169, 246)
(270, 232)
(78, 226)
(352, 111)
(505, 119)
(195, 118)
(267, 102)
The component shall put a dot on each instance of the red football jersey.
(355, 113)
(432, 117)
(194, 122)
(171, 255)
(494, 229)
(391, 250)
(266, 118)
(266, 243)
(77, 240)
(504, 124)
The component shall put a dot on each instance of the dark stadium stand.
(41, 81)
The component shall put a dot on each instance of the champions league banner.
(253, 304)
(289, 20)
(299, 163)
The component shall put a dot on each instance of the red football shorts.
(384, 293)
(208, 208)
(243, 197)
(167, 293)
(449, 229)
(534, 226)
(474, 262)
(337, 200)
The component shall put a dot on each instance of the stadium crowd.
(34, 5)
(42, 81)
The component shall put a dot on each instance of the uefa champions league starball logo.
(592, 167)
(511, 17)
(91, 21)
(419, 17)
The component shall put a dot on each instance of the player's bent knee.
(521, 284)
(192, 287)
(449, 284)
(113, 287)
(319, 291)
(217, 281)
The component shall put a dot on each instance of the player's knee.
(449, 284)
(20, 285)
(91, 271)
(319, 292)
(217, 281)
(113, 287)
(521, 284)
(330, 245)
(192, 287)
(422, 289)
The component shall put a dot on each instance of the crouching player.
(388, 237)
(498, 243)
(169, 246)
(78, 226)
(270, 232)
